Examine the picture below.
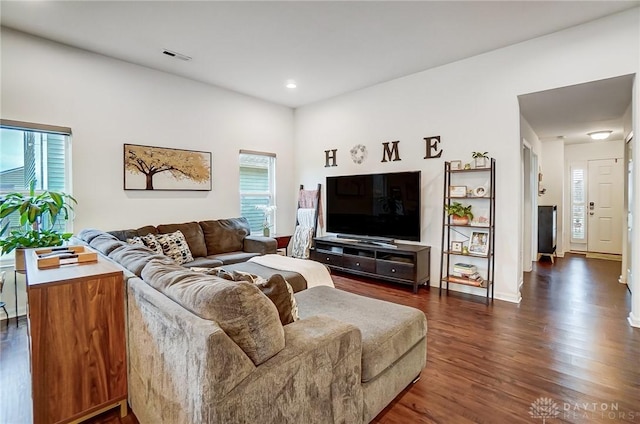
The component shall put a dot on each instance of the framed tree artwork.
(161, 168)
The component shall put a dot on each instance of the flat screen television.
(375, 206)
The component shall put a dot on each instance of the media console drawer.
(359, 263)
(400, 270)
(327, 258)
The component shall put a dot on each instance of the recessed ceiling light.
(600, 135)
(291, 84)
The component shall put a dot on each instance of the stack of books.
(463, 270)
(466, 274)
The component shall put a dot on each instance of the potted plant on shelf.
(38, 214)
(480, 159)
(460, 214)
(266, 225)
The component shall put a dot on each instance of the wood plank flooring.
(567, 341)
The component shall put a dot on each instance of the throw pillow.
(150, 241)
(276, 288)
(136, 240)
(175, 246)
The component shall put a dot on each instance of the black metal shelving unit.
(448, 227)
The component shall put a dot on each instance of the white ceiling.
(329, 48)
(572, 112)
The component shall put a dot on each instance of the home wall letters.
(432, 147)
(390, 151)
(330, 155)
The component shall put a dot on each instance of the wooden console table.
(77, 332)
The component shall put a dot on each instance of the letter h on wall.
(330, 158)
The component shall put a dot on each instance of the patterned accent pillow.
(294, 304)
(276, 288)
(150, 241)
(136, 240)
(175, 246)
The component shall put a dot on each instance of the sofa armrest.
(260, 244)
(314, 379)
(177, 360)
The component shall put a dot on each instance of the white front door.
(605, 204)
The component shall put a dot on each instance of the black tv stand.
(399, 263)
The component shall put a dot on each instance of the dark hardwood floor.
(568, 341)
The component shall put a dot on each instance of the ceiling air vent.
(176, 55)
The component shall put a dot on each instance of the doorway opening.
(583, 178)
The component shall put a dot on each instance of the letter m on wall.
(390, 153)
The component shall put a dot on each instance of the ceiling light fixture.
(600, 135)
(291, 84)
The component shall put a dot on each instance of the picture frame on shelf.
(456, 165)
(479, 243)
(480, 191)
(457, 191)
(480, 217)
(456, 246)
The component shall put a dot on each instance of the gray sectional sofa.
(202, 349)
(227, 242)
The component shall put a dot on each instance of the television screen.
(376, 205)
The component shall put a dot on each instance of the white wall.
(473, 105)
(108, 102)
(595, 150)
(530, 135)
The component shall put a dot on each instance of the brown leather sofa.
(212, 243)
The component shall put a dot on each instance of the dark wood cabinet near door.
(547, 230)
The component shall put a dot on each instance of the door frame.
(529, 169)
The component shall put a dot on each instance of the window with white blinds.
(257, 189)
(578, 204)
(33, 152)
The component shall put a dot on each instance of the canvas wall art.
(161, 168)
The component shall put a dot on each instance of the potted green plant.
(480, 159)
(460, 214)
(38, 215)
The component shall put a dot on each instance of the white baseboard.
(509, 297)
(634, 321)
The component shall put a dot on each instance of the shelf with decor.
(468, 227)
